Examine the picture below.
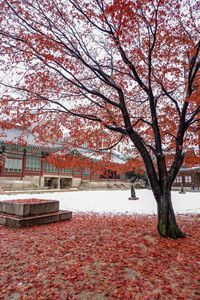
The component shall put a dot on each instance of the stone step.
(15, 221)
(28, 207)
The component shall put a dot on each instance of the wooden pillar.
(183, 179)
(59, 178)
(198, 179)
(42, 166)
(193, 179)
(3, 155)
(2, 165)
(113, 175)
(43, 155)
(24, 164)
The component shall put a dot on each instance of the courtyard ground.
(115, 201)
(97, 256)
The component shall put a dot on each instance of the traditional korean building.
(23, 165)
(189, 177)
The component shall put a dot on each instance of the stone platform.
(31, 212)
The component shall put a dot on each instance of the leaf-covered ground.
(98, 257)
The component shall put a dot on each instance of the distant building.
(22, 164)
(188, 177)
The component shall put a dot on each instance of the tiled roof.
(193, 168)
(115, 157)
(24, 138)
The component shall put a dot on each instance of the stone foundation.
(31, 212)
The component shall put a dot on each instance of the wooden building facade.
(25, 167)
(189, 178)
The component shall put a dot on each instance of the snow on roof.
(187, 169)
(94, 154)
(24, 137)
(20, 136)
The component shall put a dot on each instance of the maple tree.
(113, 73)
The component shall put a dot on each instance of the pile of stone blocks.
(31, 212)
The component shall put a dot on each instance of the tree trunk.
(167, 226)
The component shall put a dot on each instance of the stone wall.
(11, 184)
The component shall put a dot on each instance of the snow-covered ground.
(115, 201)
